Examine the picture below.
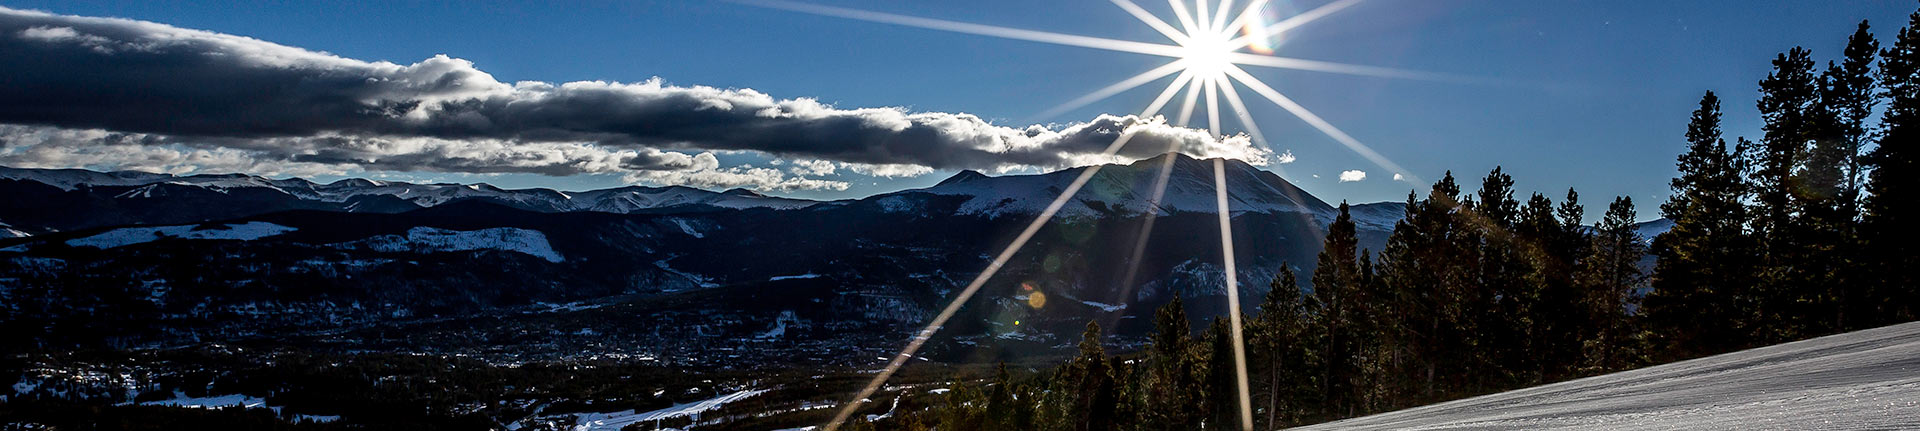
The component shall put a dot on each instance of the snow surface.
(213, 402)
(135, 235)
(424, 239)
(1867, 379)
(617, 420)
(794, 277)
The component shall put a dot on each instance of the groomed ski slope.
(1864, 380)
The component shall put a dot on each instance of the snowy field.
(1865, 380)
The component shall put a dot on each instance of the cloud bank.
(85, 91)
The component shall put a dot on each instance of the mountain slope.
(1128, 189)
(1862, 380)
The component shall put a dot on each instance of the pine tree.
(1423, 263)
(1282, 351)
(1828, 186)
(1502, 286)
(1002, 407)
(1550, 278)
(1223, 381)
(1173, 382)
(1789, 105)
(1094, 402)
(1891, 210)
(1702, 280)
(1610, 274)
(1337, 286)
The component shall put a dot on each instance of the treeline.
(1808, 231)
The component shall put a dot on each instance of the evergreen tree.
(1702, 280)
(1337, 286)
(1283, 352)
(1891, 210)
(1828, 185)
(1502, 288)
(1002, 411)
(1550, 277)
(1094, 402)
(1222, 389)
(1426, 267)
(1611, 272)
(1789, 104)
(1173, 382)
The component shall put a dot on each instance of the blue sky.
(1588, 94)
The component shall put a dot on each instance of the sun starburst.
(1209, 47)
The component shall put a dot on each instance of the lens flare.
(1259, 41)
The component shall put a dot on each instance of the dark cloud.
(200, 90)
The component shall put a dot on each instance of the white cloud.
(1284, 158)
(1398, 177)
(704, 171)
(1352, 175)
(263, 107)
(811, 167)
(887, 170)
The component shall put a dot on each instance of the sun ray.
(1213, 104)
(971, 28)
(1314, 120)
(1152, 21)
(1193, 98)
(1202, 17)
(1340, 68)
(1186, 19)
(1253, 10)
(1291, 22)
(973, 287)
(1104, 43)
(1160, 102)
(1240, 111)
(1233, 294)
(1220, 16)
(1153, 209)
(1116, 88)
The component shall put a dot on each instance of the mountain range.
(140, 259)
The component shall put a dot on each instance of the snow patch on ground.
(795, 277)
(427, 239)
(319, 419)
(687, 227)
(617, 420)
(1866, 379)
(212, 402)
(135, 235)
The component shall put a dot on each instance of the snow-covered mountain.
(622, 200)
(1123, 190)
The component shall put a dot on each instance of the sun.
(1207, 55)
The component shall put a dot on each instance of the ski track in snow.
(1868, 379)
(135, 235)
(617, 420)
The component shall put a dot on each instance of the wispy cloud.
(198, 100)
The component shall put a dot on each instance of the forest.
(1795, 235)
